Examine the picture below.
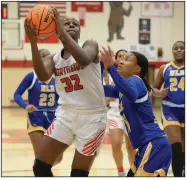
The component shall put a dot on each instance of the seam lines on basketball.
(41, 20)
(45, 27)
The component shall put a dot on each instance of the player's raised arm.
(83, 56)
(127, 86)
(43, 70)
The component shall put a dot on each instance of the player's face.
(121, 55)
(72, 27)
(128, 65)
(178, 51)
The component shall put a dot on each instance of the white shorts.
(115, 120)
(85, 127)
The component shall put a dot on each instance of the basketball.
(41, 19)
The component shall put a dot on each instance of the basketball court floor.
(18, 156)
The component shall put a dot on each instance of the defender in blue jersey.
(171, 76)
(154, 150)
(41, 106)
(117, 126)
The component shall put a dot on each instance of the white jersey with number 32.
(78, 87)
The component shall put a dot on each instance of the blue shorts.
(153, 158)
(173, 116)
(39, 121)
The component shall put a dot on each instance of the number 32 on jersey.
(72, 83)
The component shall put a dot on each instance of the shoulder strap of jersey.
(166, 66)
(33, 81)
(57, 53)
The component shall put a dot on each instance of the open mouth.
(119, 67)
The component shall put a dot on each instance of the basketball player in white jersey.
(81, 116)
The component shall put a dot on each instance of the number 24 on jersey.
(175, 84)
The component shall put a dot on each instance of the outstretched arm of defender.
(127, 86)
(43, 70)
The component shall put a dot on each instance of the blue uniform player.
(41, 106)
(117, 126)
(171, 76)
(154, 150)
(42, 101)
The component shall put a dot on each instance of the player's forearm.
(123, 85)
(38, 65)
(80, 56)
(19, 100)
(111, 91)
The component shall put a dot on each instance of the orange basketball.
(41, 19)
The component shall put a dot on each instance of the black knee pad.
(79, 173)
(42, 169)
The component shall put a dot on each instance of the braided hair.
(142, 61)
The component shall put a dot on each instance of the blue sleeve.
(102, 69)
(26, 82)
(129, 86)
(111, 91)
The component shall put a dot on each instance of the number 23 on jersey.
(47, 99)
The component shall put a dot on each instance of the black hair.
(119, 52)
(142, 61)
(178, 42)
